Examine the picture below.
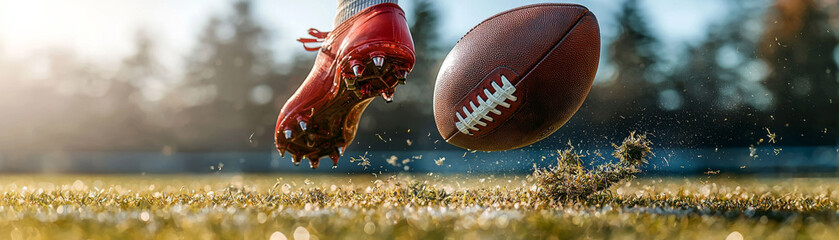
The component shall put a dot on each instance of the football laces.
(479, 116)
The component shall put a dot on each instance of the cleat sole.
(359, 77)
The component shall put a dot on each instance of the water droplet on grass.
(300, 233)
(735, 235)
(278, 236)
(144, 216)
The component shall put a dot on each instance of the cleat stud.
(388, 97)
(287, 134)
(402, 74)
(356, 70)
(334, 157)
(302, 125)
(379, 61)
(282, 152)
(314, 163)
(296, 159)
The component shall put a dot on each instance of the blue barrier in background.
(799, 160)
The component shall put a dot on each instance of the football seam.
(523, 76)
(521, 8)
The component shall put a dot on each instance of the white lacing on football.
(480, 113)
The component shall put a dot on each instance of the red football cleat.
(365, 56)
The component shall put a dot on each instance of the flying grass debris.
(440, 161)
(362, 160)
(570, 180)
(770, 135)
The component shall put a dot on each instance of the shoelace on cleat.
(319, 38)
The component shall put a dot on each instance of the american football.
(517, 77)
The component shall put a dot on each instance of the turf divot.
(569, 180)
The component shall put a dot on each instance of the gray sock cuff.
(348, 8)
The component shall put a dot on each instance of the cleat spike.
(401, 75)
(287, 134)
(282, 152)
(351, 68)
(379, 61)
(334, 156)
(314, 162)
(388, 97)
(356, 69)
(296, 159)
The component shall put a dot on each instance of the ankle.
(348, 8)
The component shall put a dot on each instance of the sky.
(102, 30)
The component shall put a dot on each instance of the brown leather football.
(517, 77)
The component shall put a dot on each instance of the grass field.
(415, 207)
(565, 201)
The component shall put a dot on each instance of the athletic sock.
(348, 8)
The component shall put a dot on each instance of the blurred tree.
(138, 84)
(717, 85)
(142, 69)
(72, 105)
(224, 95)
(627, 98)
(426, 21)
(799, 47)
(231, 56)
(634, 56)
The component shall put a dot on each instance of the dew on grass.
(300, 233)
(735, 235)
(278, 236)
(422, 206)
